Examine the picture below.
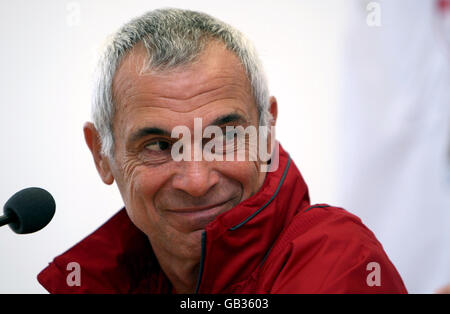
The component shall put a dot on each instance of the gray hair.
(172, 37)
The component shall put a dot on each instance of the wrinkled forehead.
(215, 67)
(215, 82)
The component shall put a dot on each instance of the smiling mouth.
(196, 218)
(197, 209)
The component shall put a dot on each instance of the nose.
(195, 178)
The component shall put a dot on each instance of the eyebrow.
(231, 117)
(227, 118)
(147, 131)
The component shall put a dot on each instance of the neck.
(181, 272)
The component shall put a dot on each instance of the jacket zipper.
(202, 262)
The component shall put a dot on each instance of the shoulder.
(326, 249)
(114, 258)
(332, 223)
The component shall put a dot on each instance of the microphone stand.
(4, 220)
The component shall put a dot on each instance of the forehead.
(216, 81)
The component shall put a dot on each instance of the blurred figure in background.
(394, 132)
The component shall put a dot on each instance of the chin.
(191, 245)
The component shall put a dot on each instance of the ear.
(101, 162)
(273, 109)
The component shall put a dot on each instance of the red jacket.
(273, 242)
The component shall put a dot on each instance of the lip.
(196, 209)
(196, 218)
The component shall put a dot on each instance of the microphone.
(29, 210)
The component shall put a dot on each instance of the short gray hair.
(172, 37)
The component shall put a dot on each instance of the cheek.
(245, 172)
(140, 187)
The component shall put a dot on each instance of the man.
(205, 225)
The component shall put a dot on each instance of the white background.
(48, 51)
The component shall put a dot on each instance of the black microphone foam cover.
(31, 210)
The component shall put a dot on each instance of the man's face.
(170, 201)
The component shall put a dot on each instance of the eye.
(158, 146)
(230, 135)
